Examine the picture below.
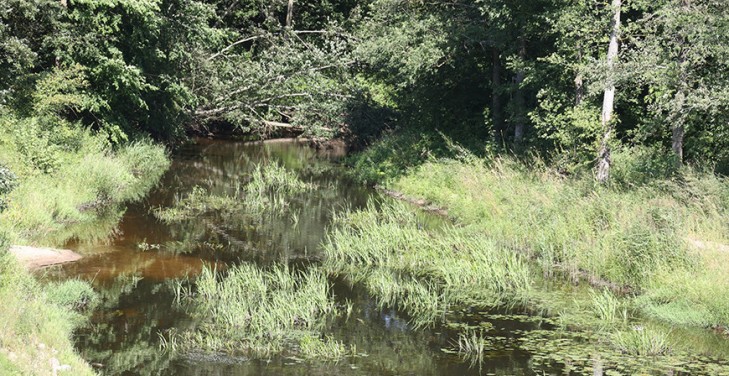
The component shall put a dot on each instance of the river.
(135, 266)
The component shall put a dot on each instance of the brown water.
(135, 267)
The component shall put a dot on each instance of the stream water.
(135, 267)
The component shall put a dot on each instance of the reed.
(259, 312)
(420, 271)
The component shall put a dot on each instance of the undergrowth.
(68, 177)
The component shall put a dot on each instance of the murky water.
(135, 266)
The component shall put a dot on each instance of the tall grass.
(268, 190)
(420, 271)
(37, 322)
(69, 177)
(635, 236)
(260, 312)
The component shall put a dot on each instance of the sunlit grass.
(259, 312)
(641, 340)
(419, 271)
(637, 238)
(37, 322)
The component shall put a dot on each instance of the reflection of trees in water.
(123, 336)
(279, 235)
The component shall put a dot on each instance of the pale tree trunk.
(64, 3)
(519, 102)
(678, 130)
(603, 162)
(290, 14)
(496, 111)
(677, 136)
(579, 84)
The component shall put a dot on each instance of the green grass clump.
(198, 202)
(269, 190)
(327, 348)
(608, 308)
(258, 313)
(37, 322)
(473, 346)
(270, 186)
(641, 340)
(420, 271)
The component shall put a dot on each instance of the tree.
(680, 55)
(606, 118)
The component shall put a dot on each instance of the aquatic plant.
(642, 340)
(268, 190)
(420, 271)
(473, 346)
(608, 308)
(326, 348)
(259, 312)
(198, 202)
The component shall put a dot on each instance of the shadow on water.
(137, 265)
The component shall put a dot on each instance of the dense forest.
(574, 153)
(570, 80)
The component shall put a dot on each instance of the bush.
(7, 183)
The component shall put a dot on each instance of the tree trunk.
(290, 14)
(677, 141)
(579, 84)
(603, 162)
(519, 102)
(496, 111)
(678, 117)
(64, 3)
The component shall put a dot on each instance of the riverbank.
(58, 184)
(33, 258)
(627, 272)
(642, 238)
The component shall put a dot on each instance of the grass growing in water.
(473, 345)
(199, 201)
(642, 341)
(324, 349)
(261, 313)
(419, 271)
(269, 190)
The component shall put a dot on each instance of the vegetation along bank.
(568, 143)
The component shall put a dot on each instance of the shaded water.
(136, 266)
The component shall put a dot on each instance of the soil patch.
(35, 258)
